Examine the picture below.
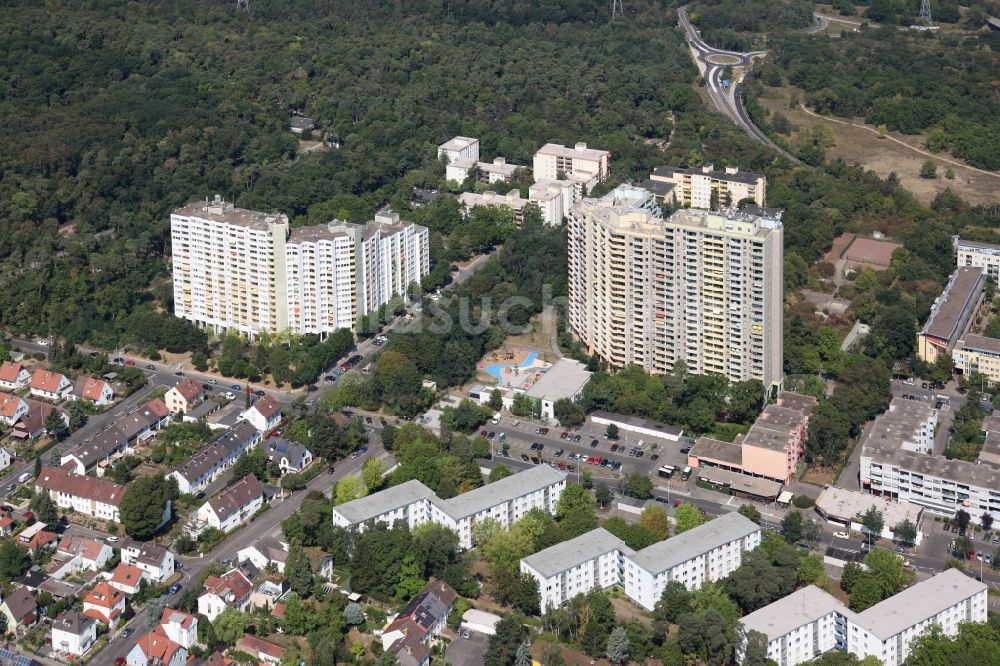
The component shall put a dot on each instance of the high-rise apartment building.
(247, 271)
(700, 287)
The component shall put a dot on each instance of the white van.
(25, 477)
(496, 419)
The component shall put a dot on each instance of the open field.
(904, 154)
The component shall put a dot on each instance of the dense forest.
(940, 84)
(115, 112)
(737, 25)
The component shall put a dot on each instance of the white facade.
(249, 271)
(703, 288)
(229, 520)
(908, 422)
(459, 147)
(6, 455)
(156, 562)
(458, 169)
(693, 187)
(505, 501)
(594, 560)
(554, 160)
(983, 255)
(180, 627)
(809, 622)
(73, 634)
(706, 553)
(12, 408)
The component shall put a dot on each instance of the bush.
(803, 502)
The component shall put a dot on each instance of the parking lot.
(467, 651)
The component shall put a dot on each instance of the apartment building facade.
(459, 147)
(248, 271)
(701, 287)
(699, 187)
(983, 255)
(805, 624)
(599, 560)
(952, 313)
(553, 161)
(504, 501)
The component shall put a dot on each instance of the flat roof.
(222, 211)
(981, 343)
(572, 553)
(565, 379)
(579, 150)
(977, 245)
(797, 609)
(803, 403)
(915, 604)
(742, 483)
(990, 453)
(697, 541)
(735, 175)
(517, 485)
(900, 422)
(952, 309)
(714, 449)
(888, 452)
(392, 498)
(637, 422)
(851, 505)
(658, 187)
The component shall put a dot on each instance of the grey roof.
(277, 448)
(490, 495)
(697, 541)
(20, 603)
(888, 452)
(225, 445)
(150, 553)
(102, 445)
(982, 343)
(672, 431)
(232, 500)
(952, 311)
(714, 449)
(568, 554)
(73, 622)
(739, 177)
(797, 609)
(565, 379)
(359, 510)
(657, 187)
(301, 122)
(204, 409)
(977, 244)
(918, 603)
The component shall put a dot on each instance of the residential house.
(289, 456)
(36, 537)
(85, 554)
(264, 651)
(126, 577)
(230, 590)
(12, 408)
(13, 376)
(50, 385)
(73, 633)
(264, 414)
(230, 508)
(156, 649)
(97, 391)
(268, 593)
(144, 422)
(92, 497)
(267, 550)
(105, 603)
(155, 561)
(6, 456)
(184, 396)
(421, 620)
(205, 466)
(34, 423)
(180, 627)
(6, 523)
(321, 562)
(20, 609)
(99, 451)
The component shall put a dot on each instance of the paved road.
(728, 101)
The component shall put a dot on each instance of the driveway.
(467, 651)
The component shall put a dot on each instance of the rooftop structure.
(554, 160)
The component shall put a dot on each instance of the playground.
(513, 367)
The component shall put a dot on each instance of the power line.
(617, 10)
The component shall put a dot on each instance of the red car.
(562, 466)
(482, 433)
(597, 460)
(564, 435)
(544, 431)
(130, 363)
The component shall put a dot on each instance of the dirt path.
(927, 153)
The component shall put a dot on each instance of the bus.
(666, 472)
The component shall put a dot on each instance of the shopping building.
(248, 271)
(701, 287)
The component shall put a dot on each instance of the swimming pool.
(496, 369)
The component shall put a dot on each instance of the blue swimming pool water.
(496, 369)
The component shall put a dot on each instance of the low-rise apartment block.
(505, 501)
(249, 271)
(805, 624)
(209, 462)
(700, 287)
(598, 560)
(770, 449)
(700, 187)
(233, 506)
(908, 423)
(555, 161)
(497, 171)
(952, 314)
(92, 497)
(982, 255)
(459, 147)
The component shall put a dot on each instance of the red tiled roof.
(267, 407)
(253, 645)
(104, 595)
(78, 485)
(9, 404)
(89, 388)
(158, 407)
(189, 389)
(232, 581)
(43, 380)
(126, 574)
(9, 371)
(156, 645)
(42, 538)
(185, 619)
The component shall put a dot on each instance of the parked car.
(235, 387)
(594, 444)
(842, 535)
(174, 589)
(150, 366)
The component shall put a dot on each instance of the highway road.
(728, 101)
